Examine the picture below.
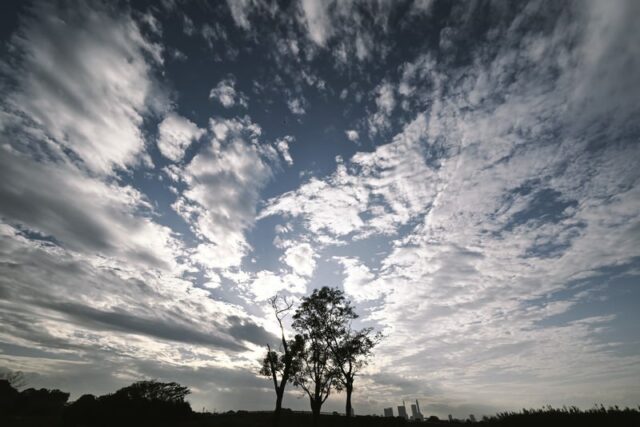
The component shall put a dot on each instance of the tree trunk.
(349, 390)
(278, 410)
(315, 411)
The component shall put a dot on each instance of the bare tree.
(281, 366)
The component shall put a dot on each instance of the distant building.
(450, 418)
(415, 412)
(402, 412)
(388, 412)
(353, 412)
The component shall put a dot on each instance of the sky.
(467, 172)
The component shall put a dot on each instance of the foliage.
(15, 378)
(326, 319)
(318, 374)
(141, 403)
(154, 391)
(31, 401)
(567, 416)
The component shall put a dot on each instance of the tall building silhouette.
(388, 412)
(415, 412)
(402, 411)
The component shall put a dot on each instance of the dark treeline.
(142, 403)
(153, 403)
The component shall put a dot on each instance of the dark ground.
(605, 418)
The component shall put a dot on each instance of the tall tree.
(317, 374)
(281, 366)
(350, 350)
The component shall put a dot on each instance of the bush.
(142, 403)
(41, 402)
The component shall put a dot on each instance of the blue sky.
(466, 172)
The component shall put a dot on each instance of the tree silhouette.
(281, 366)
(350, 350)
(317, 374)
(15, 378)
(154, 391)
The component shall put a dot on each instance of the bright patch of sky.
(466, 171)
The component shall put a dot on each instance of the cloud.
(385, 102)
(315, 16)
(300, 257)
(78, 302)
(374, 193)
(73, 119)
(175, 134)
(241, 9)
(282, 145)
(297, 106)
(82, 213)
(227, 95)
(223, 182)
(92, 99)
(265, 284)
(154, 328)
(346, 27)
(352, 135)
(358, 282)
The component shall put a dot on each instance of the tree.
(145, 402)
(348, 348)
(15, 378)
(317, 374)
(154, 391)
(281, 366)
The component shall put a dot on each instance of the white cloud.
(315, 15)
(385, 99)
(359, 281)
(282, 145)
(227, 95)
(352, 135)
(84, 214)
(266, 284)
(91, 100)
(223, 182)
(175, 134)
(240, 10)
(296, 106)
(385, 102)
(301, 258)
(374, 193)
